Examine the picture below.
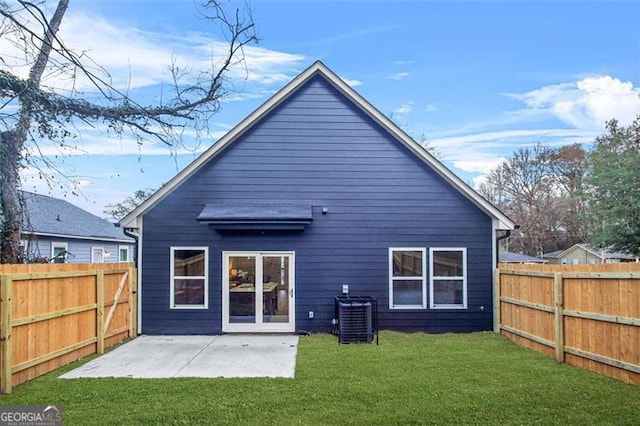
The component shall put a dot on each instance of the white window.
(97, 254)
(59, 252)
(575, 261)
(448, 281)
(189, 277)
(407, 278)
(123, 253)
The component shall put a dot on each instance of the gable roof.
(318, 68)
(47, 216)
(553, 254)
(600, 253)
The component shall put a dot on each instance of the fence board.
(590, 314)
(54, 314)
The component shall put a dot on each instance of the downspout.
(135, 245)
(139, 287)
(507, 234)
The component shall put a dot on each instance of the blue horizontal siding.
(318, 149)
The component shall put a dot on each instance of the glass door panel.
(258, 292)
(242, 289)
(275, 289)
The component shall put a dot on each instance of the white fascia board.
(76, 237)
(318, 67)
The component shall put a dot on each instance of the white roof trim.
(131, 220)
(78, 237)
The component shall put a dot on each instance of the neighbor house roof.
(318, 68)
(553, 254)
(510, 257)
(47, 216)
(601, 253)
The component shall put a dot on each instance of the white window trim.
(172, 304)
(93, 248)
(127, 250)
(58, 244)
(432, 277)
(423, 250)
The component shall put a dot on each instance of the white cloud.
(479, 153)
(431, 108)
(405, 108)
(399, 76)
(352, 82)
(501, 138)
(239, 96)
(478, 180)
(133, 58)
(401, 62)
(478, 162)
(587, 103)
(82, 193)
(93, 142)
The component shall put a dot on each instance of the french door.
(258, 292)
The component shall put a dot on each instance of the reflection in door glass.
(275, 288)
(242, 289)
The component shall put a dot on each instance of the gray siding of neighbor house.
(79, 250)
(319, 149)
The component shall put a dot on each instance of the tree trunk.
(10, 250)
(11, 146)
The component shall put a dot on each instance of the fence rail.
(54, 314)
(588, 315)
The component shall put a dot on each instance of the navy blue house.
(313, 192)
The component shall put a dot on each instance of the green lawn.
(477, 378)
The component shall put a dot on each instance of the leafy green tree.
(613, 191)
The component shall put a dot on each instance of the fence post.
(133, 302)
(6, 375)
(100, 311)
(558, 296)
(496, 301)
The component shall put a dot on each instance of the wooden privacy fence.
(53, 314)
(587, 315)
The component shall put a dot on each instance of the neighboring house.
(583, 254)
(56, 231)
(510, 257)
(315, 193)
(551, 256)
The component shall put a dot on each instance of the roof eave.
(79, 237)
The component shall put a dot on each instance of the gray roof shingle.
(509, 257)
(47, 215)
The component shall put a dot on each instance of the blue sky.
(477, 79)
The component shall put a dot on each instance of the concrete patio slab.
(153, 357)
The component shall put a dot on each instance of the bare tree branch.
(30, 111)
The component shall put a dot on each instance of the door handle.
(291, 293)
